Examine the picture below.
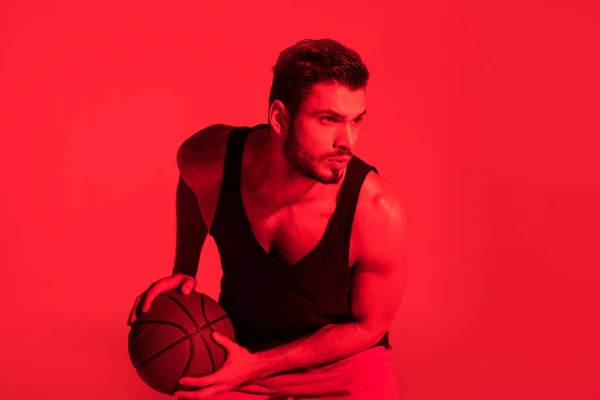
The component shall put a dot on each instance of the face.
(320, 142)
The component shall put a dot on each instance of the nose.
(346, 137)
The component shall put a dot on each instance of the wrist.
(262, 366)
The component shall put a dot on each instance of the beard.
(307, 165)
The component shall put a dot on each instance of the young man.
(312, 239)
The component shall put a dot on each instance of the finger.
(160, 287)
(203, 381)
(149, 297)
(154, 290)
(188, 286)
(133, 311)
(204, 393)
(147, 301)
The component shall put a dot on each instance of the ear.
(279, 118)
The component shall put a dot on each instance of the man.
(312, 239)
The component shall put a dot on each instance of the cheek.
(315, 138)
(316, 146)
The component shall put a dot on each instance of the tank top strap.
(232, 172)
(357, 170)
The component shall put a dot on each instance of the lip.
(340, 159)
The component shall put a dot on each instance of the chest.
(288, 234)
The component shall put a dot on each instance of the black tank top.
(269, 301)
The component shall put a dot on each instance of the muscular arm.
(191, 230)
(376, 293)
(192, 157)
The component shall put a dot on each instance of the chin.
(324, 174)
(329, 176)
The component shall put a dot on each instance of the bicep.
(380, 274)
(376, 295)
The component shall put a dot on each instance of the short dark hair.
(311, 61)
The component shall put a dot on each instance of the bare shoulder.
(379, 198)
(203, 153)
(380, 221)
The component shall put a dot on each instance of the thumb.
(223, 340)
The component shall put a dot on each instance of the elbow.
(371, 333)
(182, 153)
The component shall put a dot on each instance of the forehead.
(332, 96)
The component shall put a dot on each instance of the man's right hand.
(142, 304)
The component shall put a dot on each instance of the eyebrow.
(337, 114)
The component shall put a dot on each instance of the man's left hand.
(239, 367)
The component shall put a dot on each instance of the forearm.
(191, 231)
(187, 253)
(328, 344)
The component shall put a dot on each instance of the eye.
(358, 121)
(328, 119)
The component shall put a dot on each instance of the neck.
(276, 179)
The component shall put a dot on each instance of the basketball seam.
(188, 336)
(181, 328)
(147, 360)
(191, 355)
(198, 329)
(212, 360)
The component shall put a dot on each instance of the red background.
(485, 117)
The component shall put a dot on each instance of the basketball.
(173, 339)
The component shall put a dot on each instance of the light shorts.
(368, 375)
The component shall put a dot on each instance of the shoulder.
(379, 198)
(203, 147)
(203, 153)
(380, 220)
